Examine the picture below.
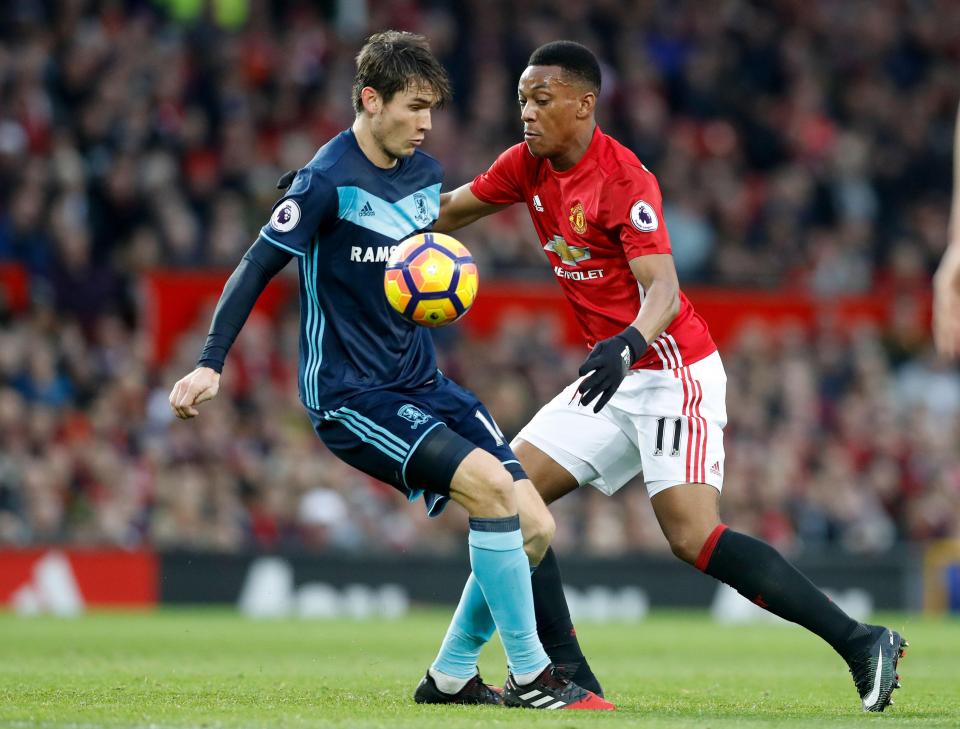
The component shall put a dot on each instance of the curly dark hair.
(572, 57)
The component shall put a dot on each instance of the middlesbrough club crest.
(414, 414)
(578, 219)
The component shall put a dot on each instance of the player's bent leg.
(500, 583)
(554, 625)
(370, 435)
(688, 515)
(551, 480)
(483, 487)
(536, 521)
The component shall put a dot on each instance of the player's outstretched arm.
(946, 282)
(199, 386)
(610, 359)
(461, 207)
(261, 263)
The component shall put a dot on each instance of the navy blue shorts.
(378, 432)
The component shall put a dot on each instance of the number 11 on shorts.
(661, 425)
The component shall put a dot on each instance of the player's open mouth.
(527, 135)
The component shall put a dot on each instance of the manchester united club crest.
(578, 219)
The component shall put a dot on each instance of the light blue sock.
(503, 574)
(470, 629)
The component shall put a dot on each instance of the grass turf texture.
(205, 668)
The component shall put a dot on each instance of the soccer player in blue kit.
(369, 379)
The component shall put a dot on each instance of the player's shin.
(501, 569)
(469, 631)
(555, 627)
(759, 572)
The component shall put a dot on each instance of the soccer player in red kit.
(651, 393)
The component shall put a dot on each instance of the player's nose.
(425, 122)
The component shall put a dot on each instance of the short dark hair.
(572, 57)
(394, 60)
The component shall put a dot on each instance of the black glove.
(609, 361)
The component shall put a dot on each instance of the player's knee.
(499, 487)
(492, 493)
(538, 534)
(684, 549)
(687, 541)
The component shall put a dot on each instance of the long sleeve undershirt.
(260, 263)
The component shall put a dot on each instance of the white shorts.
(665, 424)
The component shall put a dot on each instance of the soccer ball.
(431, 279)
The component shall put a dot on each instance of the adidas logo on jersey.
(715, 468)
(366, 210)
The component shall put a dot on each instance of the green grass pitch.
(206, 668)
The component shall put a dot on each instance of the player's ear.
(371, 100)
(586, 105)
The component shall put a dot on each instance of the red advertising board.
(102, 577)
(175, 299)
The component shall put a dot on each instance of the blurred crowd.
(800, 145)
(836, 438)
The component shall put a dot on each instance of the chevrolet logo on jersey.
(570, 255)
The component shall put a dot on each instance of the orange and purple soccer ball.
(431, 279)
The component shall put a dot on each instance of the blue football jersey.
(341, 217)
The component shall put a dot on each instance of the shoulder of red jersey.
(620, 161)
(506, 179)
(633, 201)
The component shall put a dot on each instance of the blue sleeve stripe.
(315, 326)
(309, 339)
(278, 244)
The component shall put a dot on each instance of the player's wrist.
(635, 341)
(211, 364)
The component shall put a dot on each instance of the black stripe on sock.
(495, 524)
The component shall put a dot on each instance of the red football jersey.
(592, 220)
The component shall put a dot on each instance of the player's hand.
(199, 386)
(609, 361)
